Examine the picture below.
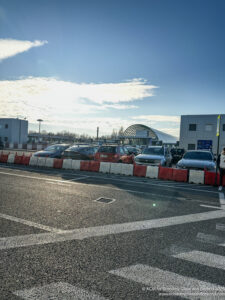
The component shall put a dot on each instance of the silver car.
(198, 159)
(154, 156)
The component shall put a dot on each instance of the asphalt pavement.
(86, 235)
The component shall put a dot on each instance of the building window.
(6, 126)
(208, 127)
(223, 127)
(192, 127)
(191, 146)
(6, 139)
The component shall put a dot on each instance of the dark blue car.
(53, 151)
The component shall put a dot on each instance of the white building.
(199, 132)
(13, 130)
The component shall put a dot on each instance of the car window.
(51, 148)
(154, 151)
(121, 151)
(198, 155)
(126, 150)
(107, 149)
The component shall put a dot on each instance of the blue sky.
(82, 64)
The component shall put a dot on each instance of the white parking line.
(57, 291)
(83, 233)
(200, 257)
(58, 183)
(168, 283)
(131, 181)
(210, 239)
(222, 200)
(30, 223)
(210, 206)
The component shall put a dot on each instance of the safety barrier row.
(163, 173)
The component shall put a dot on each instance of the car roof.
(207, 151)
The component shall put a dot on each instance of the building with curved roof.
(146, 135)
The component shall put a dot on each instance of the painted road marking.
(37, 178)
(211, 206)
(79, 178)
(168, 283)
(61, 184)
(57, 291)
(30, 223)
(130, 182)
(210, 239)
(200, 257)
(105, 187)
(83, 233)
(222, 200)
(127, 182)
(220, 226)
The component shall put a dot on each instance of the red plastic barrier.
(139, 170)
(94, 166)
(25, 160)
(3, 158)
(58, 162)
(180, 175)
(210, 178)
(165, 173)
(18, 159)
(84, 165)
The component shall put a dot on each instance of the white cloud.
(10, 47)
(158, 118)
(62, 102)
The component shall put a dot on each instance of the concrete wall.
(192, 137)
(16, 132)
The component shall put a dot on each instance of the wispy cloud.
(57, 101)
(10, 47)
(158, 118)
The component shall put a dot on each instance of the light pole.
(39, 120)
(218, 144)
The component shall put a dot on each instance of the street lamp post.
(39, 120)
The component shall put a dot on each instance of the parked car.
(177, 154)
(133, 150)
(155, 156)
(197, 159)
(53, 151)
(114, 153)
(80, 152)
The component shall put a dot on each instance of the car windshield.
(54, 148)
(107, 149)
(154, 151)
(77, 148)
(198, 155)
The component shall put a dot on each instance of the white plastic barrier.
(127, 169)
(33, 161)
(29, 146)
(41, 161)
(19, 153)
(76, 164)
(11, 145)
(152, 171)
(5, 152)
(116, 168)
(67, 164)
(20, 146)
(49, 162)
(196, 176)
(11, 158)
(105, 167)
(39, 147)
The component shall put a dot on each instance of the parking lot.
(58, 241)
